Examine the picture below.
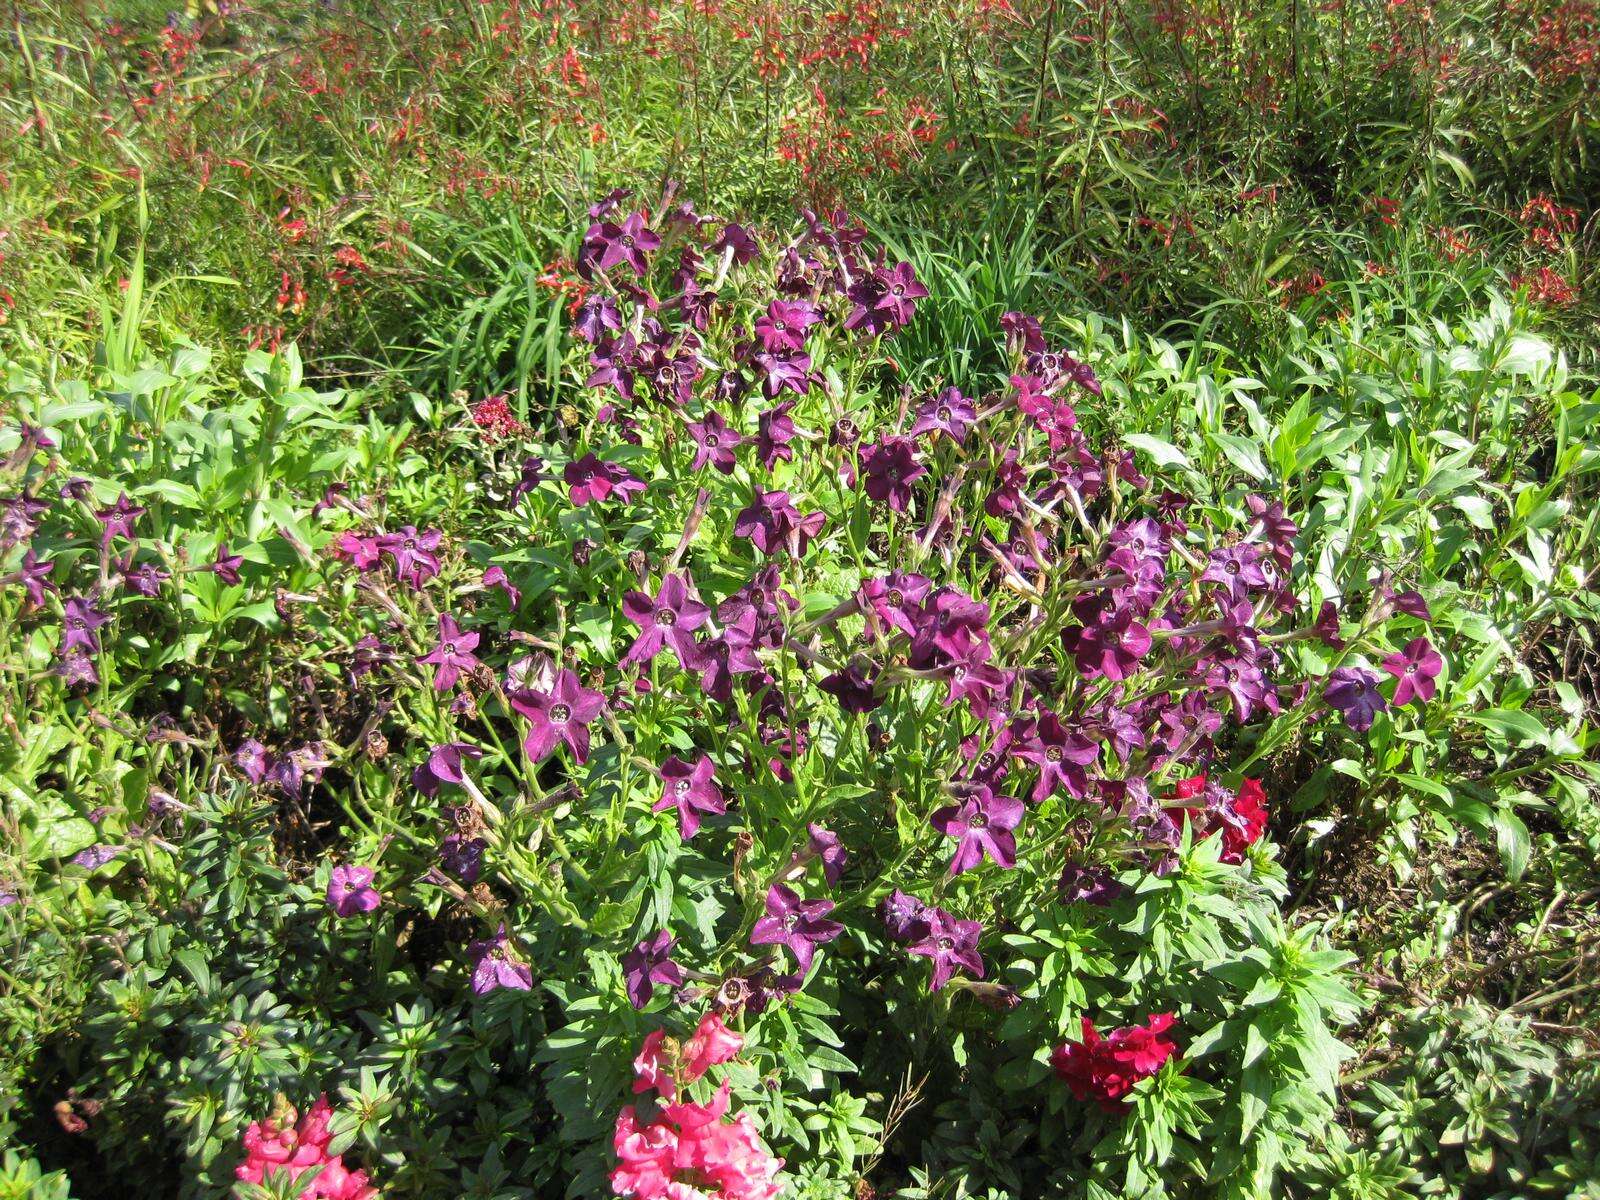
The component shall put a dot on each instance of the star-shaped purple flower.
(495, 966)
(949, 413)
(453, 655)
(692, 790)
(981, 824)
(591, 479)
(350, 890)
(1416, 667)
(800, 926)
(1354, 692)
(951, 944)
(714, 443)
(80, 622)
(647, 964)
(560, 715)
(669, 619)
(443, 765)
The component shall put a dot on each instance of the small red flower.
(1106, 1068)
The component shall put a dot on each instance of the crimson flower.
(1106, 1068)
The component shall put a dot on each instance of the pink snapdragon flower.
(280, 1146)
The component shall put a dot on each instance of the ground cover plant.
(751, 601)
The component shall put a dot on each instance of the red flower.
(1106, 1068)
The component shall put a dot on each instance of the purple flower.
(951, 944)
(771, 518)
(1354, 692)
(96, 857)
(593, 479)
(1412, 604)
(737, 242)
(668, 620)
(463, 856)
(982, 825)
(884, 300)
(302, 765)
(692, 790)
(1022, 332)
(80, 620)
(774, 431)
(597, 313)
(253, 760)
(452, 655)
(1326, 625)
(443, 765)
(415, 554)
(891, 467)
(1112, 648)
(529, 475)
(798, 925)
(495, 577)
(650, 963)
(560, 715)
(826, 845)
(350, 890)
(1092, 885)
(117, 521)
(1060, 754)
(905, 918)
(784, 372)
(949, 413)
(1238, 568)
(34, 576)
(144, 578)
(494, 966)
(606, 245)
(1415, 668)
(949, 627)
(714, 442)
(783, 326)
(225, 566)
(855, 692)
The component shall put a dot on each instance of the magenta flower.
(607, 245)
(1112, 648)
(597, 313)
(800, 926)
(594, 479)
(982, 825)
(453, 655)
(225, 566)
(891, 467)
(692, 790)
(350, 890)
(443, 765)
(415, 554)
(647, 964)
(884, 300)
(782, 328)
(80, 623)
(784, 372)
(771, 517)
(496, 966)
(825, 844)
(949, 627)
(496, 577)
(1238, 568)
(905, 918)
(1415, 668)
(714, 442)
(560, 715)
(951, 944)
(668, 620)
(1354, 692)
(253, 760)
(118, 520)
(949, 413)
(34, 575)
(1061, 756)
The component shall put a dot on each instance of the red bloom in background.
(1106, 1068)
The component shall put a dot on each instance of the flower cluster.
(1105, 1067)
(286, 1144)
(687, 1149)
